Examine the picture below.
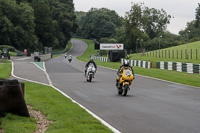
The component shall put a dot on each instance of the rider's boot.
(116, 83)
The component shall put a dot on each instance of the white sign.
(109, 46)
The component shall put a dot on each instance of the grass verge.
(17, 124)
(174, 76)
(66, 115)
(5, 69)
(164, 54)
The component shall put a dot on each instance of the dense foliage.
(34, 24)
(192, 31)
(142, 28)
(98, 23)
(142, 24)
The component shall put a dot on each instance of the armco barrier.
(180, 67)
(144, 64)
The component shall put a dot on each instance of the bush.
(11, 48)
(104, 40)
(195, 39)
(103, 53)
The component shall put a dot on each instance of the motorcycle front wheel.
(90, 77)
(125, 90)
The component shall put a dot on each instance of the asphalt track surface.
(151, 106)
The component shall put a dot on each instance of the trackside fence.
(139, 63)
(180, 67)
(100, 58)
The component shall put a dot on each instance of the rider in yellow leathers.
(122, 67)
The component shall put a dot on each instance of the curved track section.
(151, 106)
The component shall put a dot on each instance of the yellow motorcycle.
(125, 80)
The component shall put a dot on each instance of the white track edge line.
(94, 115)
(24, 58)
(12, 72)
(37, 66)
(51, 85)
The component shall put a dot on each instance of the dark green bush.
(11, 48)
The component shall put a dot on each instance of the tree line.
(34, 24)
(141, 28)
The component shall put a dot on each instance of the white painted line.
(24, 58)
(37, 66)
(48, 78)
(51, 85)
(24, 78)
(94, 115)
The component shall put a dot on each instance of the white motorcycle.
(70, 59)
(90, 72)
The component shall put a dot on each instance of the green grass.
(167, 58)
(13, 54)
(174, 76)
(89, 51)
(66, 115)
(17, 124)
(68, 48)
(5, 69)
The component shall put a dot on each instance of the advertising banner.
(109, 46)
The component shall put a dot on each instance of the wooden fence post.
(196, 54)
(177, 54)
(185, 53)
(181, 54)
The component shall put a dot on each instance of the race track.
(151, 106)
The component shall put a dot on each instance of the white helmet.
(126, 63)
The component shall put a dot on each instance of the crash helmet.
(70, 55)
(91, 60)
(126, 63)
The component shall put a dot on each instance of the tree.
(98, 23)
(64, 18)
(17, 24)
(143, 23)
(197, 17)
(192, 30)
(44, 23)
